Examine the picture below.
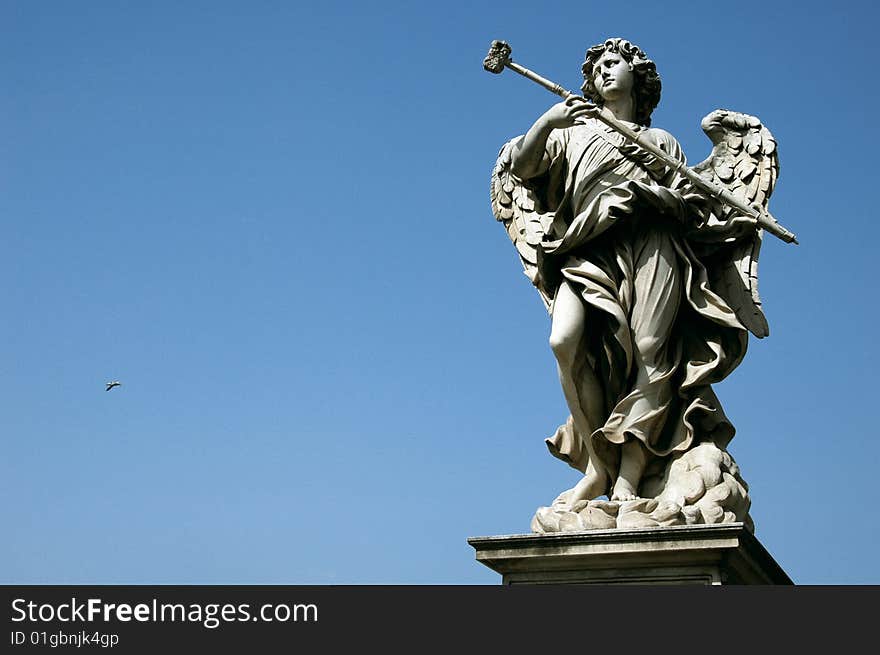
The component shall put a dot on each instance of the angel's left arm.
(674, 187)
(704, 217)
(662, 173)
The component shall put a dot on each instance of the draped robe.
(622, 238)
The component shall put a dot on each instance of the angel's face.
(613, 76)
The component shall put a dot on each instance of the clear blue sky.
(270, 221)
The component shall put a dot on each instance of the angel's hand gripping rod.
(499, 58)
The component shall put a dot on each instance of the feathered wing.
(519, 209)
(745, 161)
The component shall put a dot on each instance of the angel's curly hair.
(647, 81)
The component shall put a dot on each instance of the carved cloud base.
(700, 487)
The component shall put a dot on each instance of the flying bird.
(115, 383)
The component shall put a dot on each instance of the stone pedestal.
(688, 554)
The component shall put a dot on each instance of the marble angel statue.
(651, 286)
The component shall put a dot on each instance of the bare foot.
(632, 465)
(623, 491)
(591, 486)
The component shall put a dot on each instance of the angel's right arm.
(529, 158)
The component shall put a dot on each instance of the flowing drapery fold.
(657, 335)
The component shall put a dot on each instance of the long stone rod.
(763, 217)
